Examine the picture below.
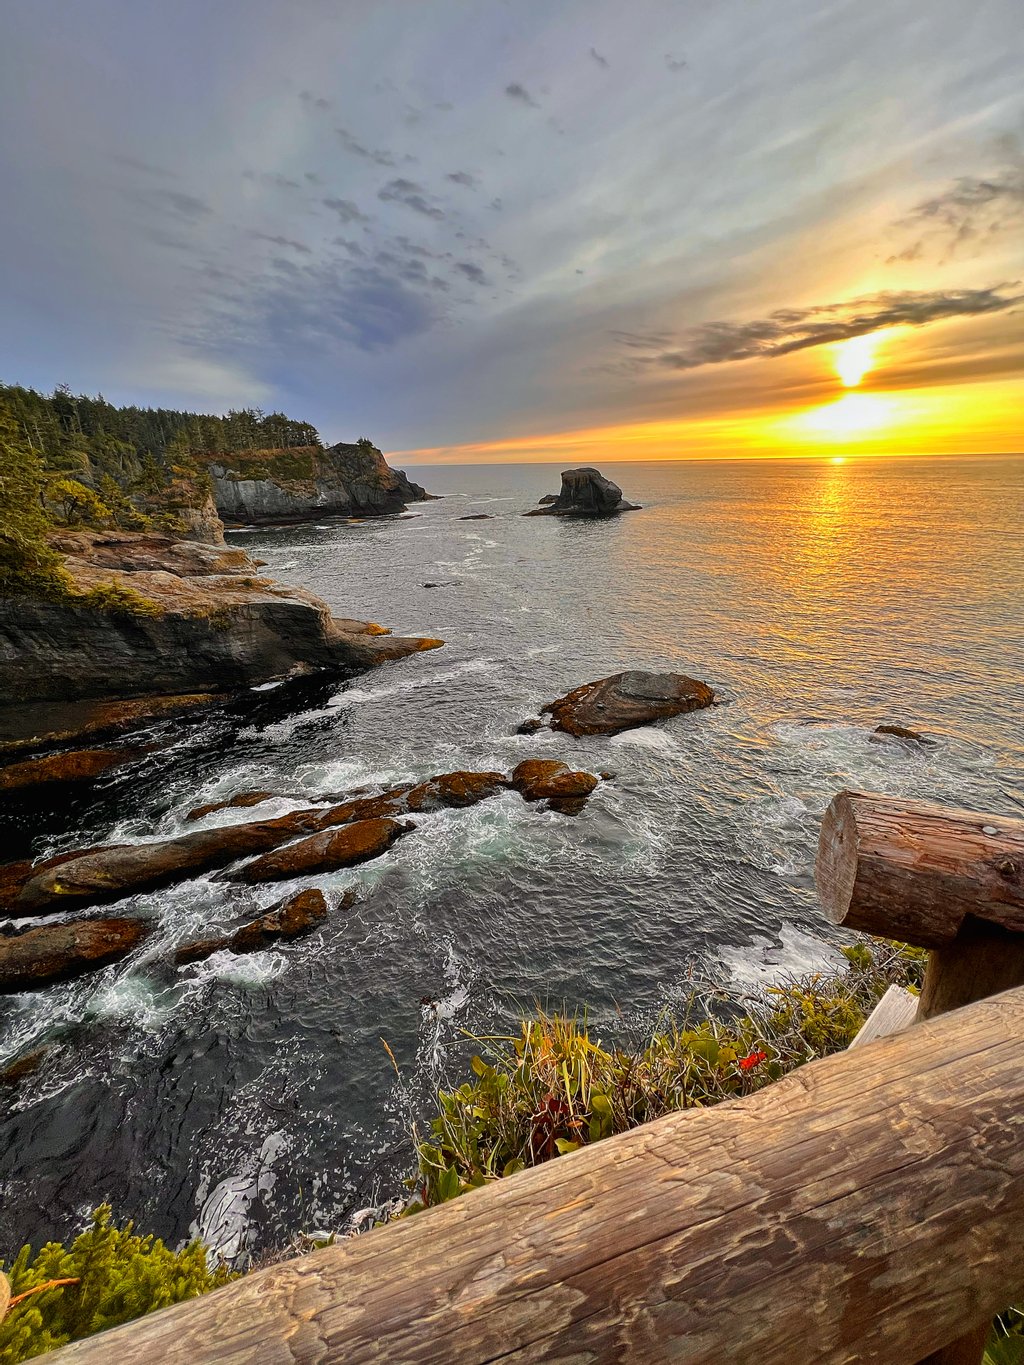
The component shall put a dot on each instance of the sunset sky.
(500, 229)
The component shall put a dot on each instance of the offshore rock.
(899, 732)
(243, 800)
(299, 914)
(626, 700)
(110, 872)
(327, 852)
(309, 483)
(60, 952)
(201, 620)
(547, 779)
(585, 492)
(77, 765)
(458, 789)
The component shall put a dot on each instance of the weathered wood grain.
(895, 1011)
(863, 1209)
(913, 870)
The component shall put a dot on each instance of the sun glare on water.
(854, 358)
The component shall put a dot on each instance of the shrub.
(119, 600)
(554, 1089)
(76, 503)
(107, 1276)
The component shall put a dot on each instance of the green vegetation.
(68, 460)
(107, 1276)
(554, 1089)
(535, 1098)
(284, 466)
(118, 599)
(27, 563)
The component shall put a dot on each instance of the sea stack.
(585, 492)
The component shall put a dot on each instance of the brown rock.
(626, 700)
(477, 516)
(455, 789)
(80, 765)
(243, 799)
(539, 779)
(532, 771)
(59, 952)
(899, 732)
(93, 876)
(447, 789)
(25, 1065)
(298, 915)
(531, 726)
(347, 847)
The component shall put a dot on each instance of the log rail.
(866, 1208)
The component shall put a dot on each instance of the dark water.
(818, 599)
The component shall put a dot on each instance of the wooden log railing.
(866, 1208)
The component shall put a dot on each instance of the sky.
(482, 230)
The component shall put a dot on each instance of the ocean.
(252, 1098)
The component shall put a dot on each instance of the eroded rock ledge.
(203, 621)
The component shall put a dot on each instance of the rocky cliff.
(172, 616)
(301, 484)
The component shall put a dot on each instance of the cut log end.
(835, 869)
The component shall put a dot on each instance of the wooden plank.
(862, 1209)
(893, 1013)
(913, 871)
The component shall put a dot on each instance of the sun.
(838, 459)
(854, 358)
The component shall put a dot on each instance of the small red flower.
(752, 1059)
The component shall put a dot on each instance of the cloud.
(675, 63)
(346, 210)
(515, 91)
(601, 61)
(133, 163)
(273, 178)
(970, 213)
(410, 194)
(283, 241)
(797, 329)
(379, 158)
(471, 272)
(463, 178)
(353, 248)
(312, 178)
(314, 101)
(187, 206)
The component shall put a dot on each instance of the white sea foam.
(765, 963)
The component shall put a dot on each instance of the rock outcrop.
(75, 765)
(299, 914)
(881, 733)
(626, 700)
(585, 492)
(298, 844)
(354, 843)
(183, 617)
(59, 952)
(308, 483)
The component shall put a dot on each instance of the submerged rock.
(299, 914)
(78, 765)
(60, 952)
(243, 800)
(437, 793)
(585, 492)
(27, 1064)
(626, 700)
(477, 516)
(883, 732)
(327, 852)
(308, 483)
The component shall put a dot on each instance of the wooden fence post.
(944, 879)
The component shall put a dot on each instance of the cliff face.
(299, 485)
(206, 622)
